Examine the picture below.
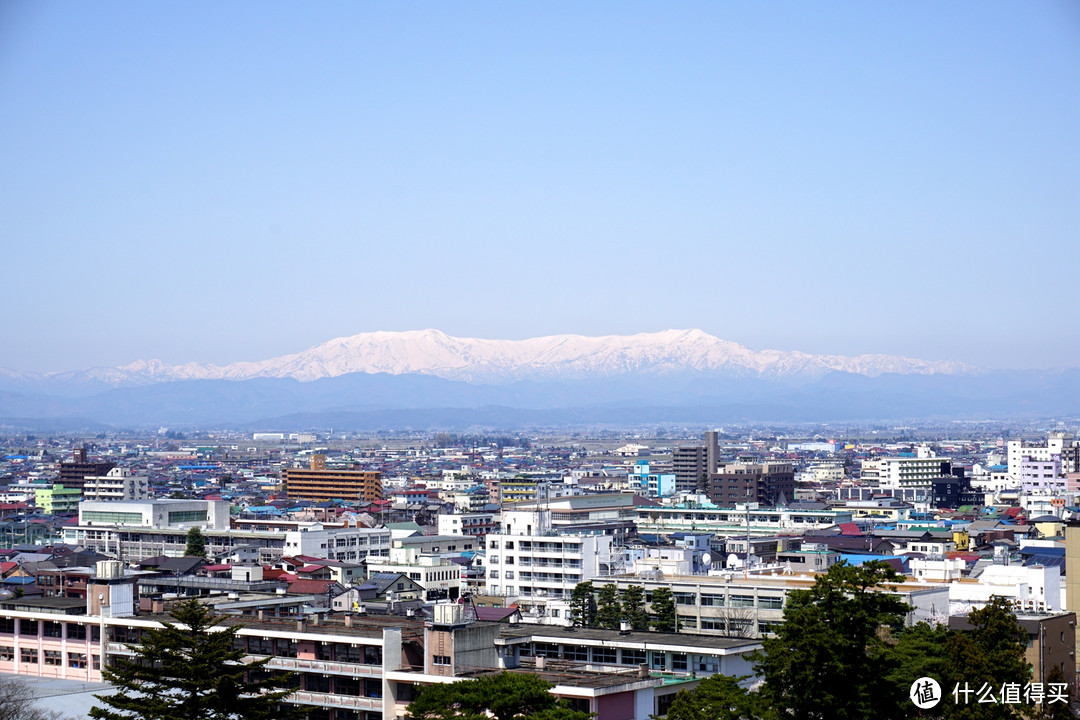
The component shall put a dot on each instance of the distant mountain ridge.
(481, 361)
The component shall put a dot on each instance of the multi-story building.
(738, 520)
(1055, 444)
(905, 472)
(57, 500)
(650, 484)
(117, 484)
(318, 483)
(530, 561)
(346, 544)
(477, 525)
(1042, 476)
(729, 604)
(693, 464)
(764, 483)
(72, 473)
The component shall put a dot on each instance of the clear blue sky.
(232, 181)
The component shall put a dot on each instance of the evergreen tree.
(609, 613)
(828, 659)
(506, 696)
(664, 616)
(717, 697)
(190, 671)
(915, 652)
(583, 605)
(196, 543)
(633, 607)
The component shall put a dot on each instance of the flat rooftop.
(553, 633)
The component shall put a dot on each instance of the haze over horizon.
(219, 183)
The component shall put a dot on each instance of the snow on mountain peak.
(477, 360)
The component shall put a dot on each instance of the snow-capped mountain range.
(479, 361)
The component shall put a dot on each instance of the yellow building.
(317, 483)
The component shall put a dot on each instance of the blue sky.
(233, 181)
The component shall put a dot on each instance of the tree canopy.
(505, 696)
(196, 543)
(190, 671)
(664, 615)
(717, 697)
(828, 659)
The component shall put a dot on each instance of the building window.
(440, 659)
(633, 657)
(771, 603)
(28, 655)
(712, 600)
(76, 631)
(54, 657)
(604, 655)
(7, 654)
(742, 601)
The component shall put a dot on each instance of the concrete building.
(729, 604)
(728, 521)
(72, 474)
(763, 483)
(650, 484)
(117, 484)
(319, 483)
(58, 500)
(477, 525)
(347, 544)
(1017, 450)
(905, 472)
(530, 561)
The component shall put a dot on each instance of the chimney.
(624, 628)
(262, 615)
(643, 670)
(348, 621)
(300, 625)
(541, 662)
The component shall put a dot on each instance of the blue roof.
(859, 559)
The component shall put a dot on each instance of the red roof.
(849, 529)
(310, 587)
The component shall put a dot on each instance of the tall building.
(693, 464)
(73, 474)
(318, 483)
(117, 484)
(765, 483)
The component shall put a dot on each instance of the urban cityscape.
(368, 567)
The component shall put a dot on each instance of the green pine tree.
(505, 696)
(717, 697)
(190, 671)
(828, 658)
(633, 607)
(583, 605)
(609, 612)
(196, 543)
(664, 616)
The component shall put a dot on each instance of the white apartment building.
(117, 484)
(474, 524)
(348, 544)
(904, 472)
(1017, 451)
(532, 563)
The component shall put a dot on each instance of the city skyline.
(225, 183)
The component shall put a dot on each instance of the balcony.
(326, 667)
(306, 697)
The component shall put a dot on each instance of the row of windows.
(48, 657)
(50, 629)
(764, 602)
